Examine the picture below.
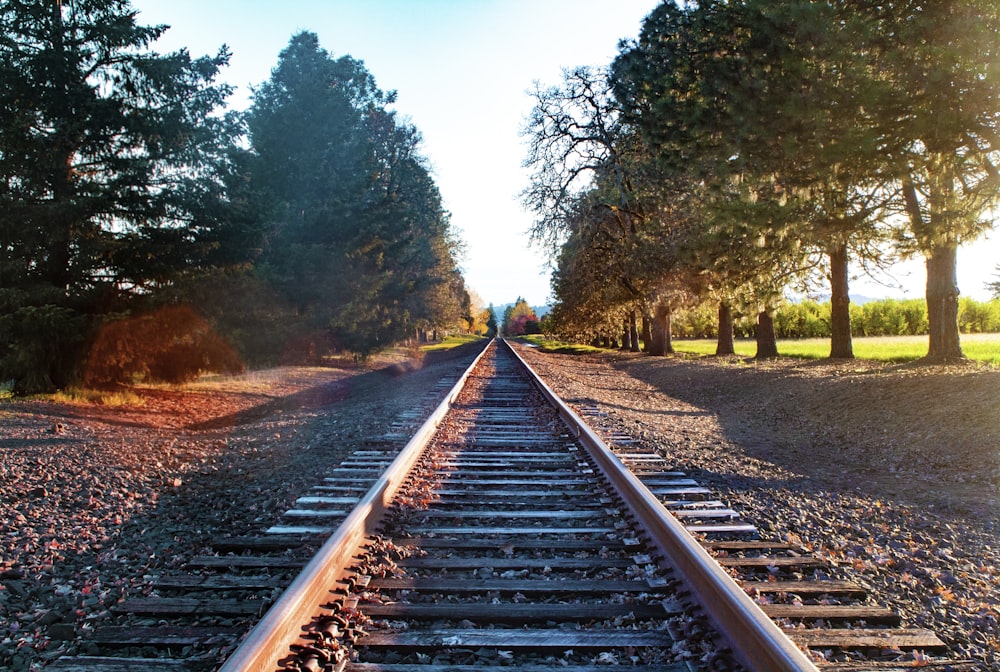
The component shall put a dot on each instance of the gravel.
(94, 498)
(891, 473)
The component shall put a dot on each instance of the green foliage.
(976, 317)
(492, 325)
(39, 345)
(806, 319)
(112, 165)
(258, 323)
(698, 321)
(807, 130)
(810, 319)
(123, 191)
(358, 242)
(890, 317)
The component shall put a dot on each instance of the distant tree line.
(145, 231)
(519, 319)
(737, 150)
(812, 319)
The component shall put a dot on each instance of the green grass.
(548, 344)
(450, 342)
(983, 348)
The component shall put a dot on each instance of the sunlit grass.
(548, 344)
(983, 348)
(450, 342)
(79, 395)
(253, 381)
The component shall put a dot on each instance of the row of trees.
(310, 222)
(520, 319)
(812, 319)
(736, 149)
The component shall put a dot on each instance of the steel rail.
(757, 642)
(272, 638)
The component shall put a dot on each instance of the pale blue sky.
(462, 69)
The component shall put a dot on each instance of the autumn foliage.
(520, 319)
(171, 345)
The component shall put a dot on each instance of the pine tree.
(106, 149)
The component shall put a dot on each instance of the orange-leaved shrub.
(172, 345)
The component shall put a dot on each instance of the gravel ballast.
(94, 498)
(889, 472)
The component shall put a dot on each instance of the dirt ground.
(927, 435)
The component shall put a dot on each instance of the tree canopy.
(358, 239)
(311, 221)
(774, 143)
(110, 158)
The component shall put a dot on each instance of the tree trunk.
(767, 342)
(942, 304)
(647, 335)
(656, 336)
(841, 344)
(668, 326)
(725, 344)
(633, 332)
(61, 228)
(661, 332)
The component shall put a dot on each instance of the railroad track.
(505, 533)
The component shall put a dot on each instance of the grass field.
(983, 348)
(450, 342)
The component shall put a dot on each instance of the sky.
(463, 70)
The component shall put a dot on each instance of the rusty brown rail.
(757, 642)
(281, 627)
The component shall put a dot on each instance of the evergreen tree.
(358, 239)
(838, 107)
(107, 152)
(946, 109)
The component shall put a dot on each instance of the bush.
(807, 319)
(251, 316)
(698, 322)
(171, 345)
(978, 318)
